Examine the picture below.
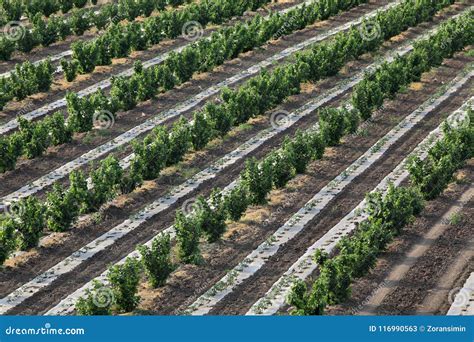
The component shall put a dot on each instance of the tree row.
(162, 148)
(46, 32)
(13, 10)
(211, 216)
(388, 214)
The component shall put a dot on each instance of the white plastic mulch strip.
(258, 258)
(68, 53)
(61, 172)
(275, 298)
(463, 303)
(52, 58)
(65, 266)
(147, 213)
(104, 84)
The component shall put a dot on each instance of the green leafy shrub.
(157, 260)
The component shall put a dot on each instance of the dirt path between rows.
(441, 297)
(64, 285)
(427, 241)
(41, 52)
(420, 269)
(61, 245)
(61, 86)
(247, 293)
(28, 170)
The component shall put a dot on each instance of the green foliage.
(387, 215)
(28, 41)
(433, 174)
(124, 92)
(25, 80)
(357, 253)
(7, 237)
(306, 303)
(36, 138)
(316, 145)
(221, 121)
(298, 151)
(80, 111)
(255, 97)
(62, 209)
(124, 280)
(59, 132)
(70, 69)
(11, 148)
(390, 77)
(200, 131)
(29, 222)
(6, 48)
(258, 181)
(188, 233)
(332, 125)
(211, 216)
(106, 180)
(283, 169)
(335, 122)
(396, 208)
(78, 189)
(236, 202)
(134, 178)
(179, 141)
(96, 302)
(86, 56)
(152, 153)
(13, 9)
(157, 260)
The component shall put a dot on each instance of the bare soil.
(243, 237)
(426, 287)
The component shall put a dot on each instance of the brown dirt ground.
(61, 86)
(126, 204)
(422, 290)
(41, 52)
(28, 170)
(255, 287)
(128, 243)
